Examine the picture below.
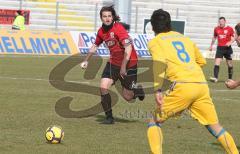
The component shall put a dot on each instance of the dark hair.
(110, 9)
(161, 21)
(222, 18)
(126, 26)
(237, 29)
(20, 12)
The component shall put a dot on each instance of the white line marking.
(224, 90)
(86, 82)
(226, 99)
(37, 79)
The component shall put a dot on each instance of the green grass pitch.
(27, 108)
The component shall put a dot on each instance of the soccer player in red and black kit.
(225, 36)
(122, 64)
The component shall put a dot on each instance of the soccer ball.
(54, 134)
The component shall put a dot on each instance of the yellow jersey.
(176, 58)
(19, 23)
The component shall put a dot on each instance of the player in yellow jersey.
(183, 62)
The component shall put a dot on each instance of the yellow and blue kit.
(176, 58)
(183, 62)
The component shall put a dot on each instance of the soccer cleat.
(139, 92)
(108, 120)
(213, 79)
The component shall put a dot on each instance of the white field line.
(225, 90)
(36, 79)
(226, 99)
(86, 82)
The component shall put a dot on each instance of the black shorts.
(225, 52)
(113, 72)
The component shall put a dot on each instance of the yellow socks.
(227, 142)
(155, 138)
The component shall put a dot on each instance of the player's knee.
(127, 97)
(218, 61)
(103, 90)
(230, 65)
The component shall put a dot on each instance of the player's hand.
(210, 48)
(159, 99)
(231, 84)
(228, 44)
(123, 72)
(84, 64)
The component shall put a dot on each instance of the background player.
(19, 21)
(189, 91)
(225, 36)
(232, 84)
(122, 64)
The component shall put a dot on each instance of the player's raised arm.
(126, 42)
(199, 58)
(92, 50)
(127, 54)
(229, 43)
(159, 70)
(213, 40)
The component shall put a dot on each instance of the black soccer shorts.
(113, 72)
(224, 51)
